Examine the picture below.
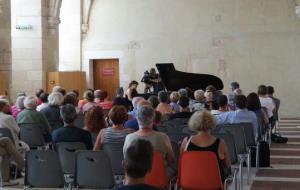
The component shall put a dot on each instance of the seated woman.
(163, 107)
(44, 99)
(30, 116)
(101, 99)
(199, 104)
(52, 111)
(94, 121)
(253, 104)
(203, 122)
(174, 97)
(18, 107)
(117, 133)
(131, 92)
(89, 97)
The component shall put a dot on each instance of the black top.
(72, 134)
(137, 187)
(52, 113)
(185, 115)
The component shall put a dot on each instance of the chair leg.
(241, 175)
(249, 168)
(1, 179)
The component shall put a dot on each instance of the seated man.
(184, 109)
(159, 141)
(70, 133)
(241, 115)
(133, 123)
(30, 116)
(222, 104)
(137, 163)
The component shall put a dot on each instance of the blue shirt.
(238, 116)
(132, 124)
(72, 134)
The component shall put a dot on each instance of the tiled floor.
(284, 173)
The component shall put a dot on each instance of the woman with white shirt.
(266, 101)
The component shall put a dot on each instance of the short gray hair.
(199, 95)
(145, 116)
(68, 113)
(136, 100)
(183, 92)
(56, 89)
(20, 102)
(3, 103)
(30, 102)
(55, 99)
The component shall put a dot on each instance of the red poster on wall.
(108, 71)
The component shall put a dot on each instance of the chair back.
(176, 125)
(228, 138)
(177, 137)
(238, 135)
(42, 169)
(162, 128)
(93, 170)
(115, 153)
(249, 133)
(186, 130)
(176, 150)
(32, 135)
(5, 132)
(79, 122)
(206, 173)
(66, 152)
(158, 175)
(55, 125)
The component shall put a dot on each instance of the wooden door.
(106, 75)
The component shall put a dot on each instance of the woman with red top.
(101, 99)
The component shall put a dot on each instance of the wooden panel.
(68, 80)
(4, 81)
(106, 75)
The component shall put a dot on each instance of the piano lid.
(174, 80)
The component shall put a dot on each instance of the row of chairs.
(92, 170)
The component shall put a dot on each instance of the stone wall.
(5, 41)
(250, 41)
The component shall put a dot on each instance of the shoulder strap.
(188, 142)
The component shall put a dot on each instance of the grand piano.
(174, 80)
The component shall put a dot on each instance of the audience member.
(209, 100)
(234, 87)
(270, 93)
(241, 115)
(116, 133)
(7, 121)
(135, 102)
(174, 97)
(153, 101)
(163, 107)
(132, 90)
(44, 101)
(157, 120)
(82, 102)
(30, 116)
(89, 97)
(70, 133)
(52, 111)
(133, 123)
(137, 163)
(159, 141)
(59, 89)
(266, 101)
(18, 107)
(203, 122)
(222, 103)
(71, 98)
(37, 95)
(199, 104)
(253, 104)
(184, 109)
(9, 152)
(101, 99)
(183, 92)
(120, 100)
(94, 121)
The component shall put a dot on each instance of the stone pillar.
(5, 44)
(34, 43)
